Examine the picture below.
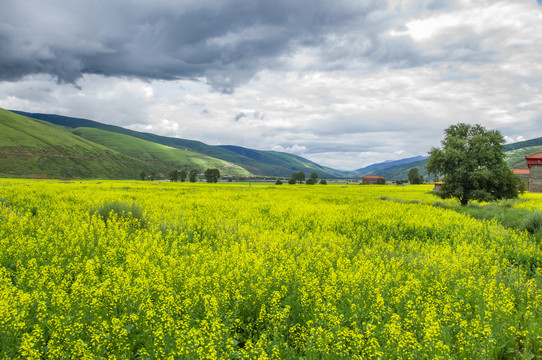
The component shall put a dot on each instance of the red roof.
(372, 177)
(534, 156)
(535, 159)
(521, 171)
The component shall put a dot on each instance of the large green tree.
(472, 165)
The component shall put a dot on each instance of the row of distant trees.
(299, 177)
(211, 175)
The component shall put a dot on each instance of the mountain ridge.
(273, 164)
(255, 162)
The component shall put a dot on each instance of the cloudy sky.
(343, 83)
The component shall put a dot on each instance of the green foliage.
(381, 181)
(193, 175)
(182, 175)
(414, 176)
(291, 181)
(278, 182)
(212, 175)
(314, 176)
(121, 210)
(299, 176)
(323, 182)
(174, 175)
(311, 181)
(472, 164)
(143, 175)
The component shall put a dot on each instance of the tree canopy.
(212, 175)
(472, 165)
(193, 175)
(414, 176)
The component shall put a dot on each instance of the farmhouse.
(534, 162)
(437, 186)
(372, 179)
(524, 176)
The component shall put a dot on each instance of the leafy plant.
(121, 210)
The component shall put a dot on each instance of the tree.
(381, 181)
(311, 181)
(152, 175)
(212, 175)
(143, 175)
(182, 175)
(414, 176)
(472, 165)
(278, 182)
(174, 175)
(323, 182)
(314, 176)
(193, 175)
(299, 177)
(291, 181)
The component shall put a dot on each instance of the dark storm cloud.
(226, 42)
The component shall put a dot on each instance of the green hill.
(258, 162)
(35, 148)
(516, 158)
(30, 147)
(164, 158)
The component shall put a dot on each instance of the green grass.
(36, 148)
(163, 157)
(30, 147)
(509, 217)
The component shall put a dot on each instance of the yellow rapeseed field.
(140, 270)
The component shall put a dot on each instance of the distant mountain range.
(47, 145)
(137, 151)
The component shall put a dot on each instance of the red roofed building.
(372, 179)
(534, 162)
(524, 176)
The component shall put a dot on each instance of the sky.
(344, 83)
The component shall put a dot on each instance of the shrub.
(122, 210)
(278, 182)
(323, 182)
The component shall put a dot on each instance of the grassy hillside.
(516, 158)
(30, 147)
(258, 162)
(164, 158)
(277, 163)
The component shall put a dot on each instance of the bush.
(291, 181)
(122, 210)
(323, 182)
(278, 182)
